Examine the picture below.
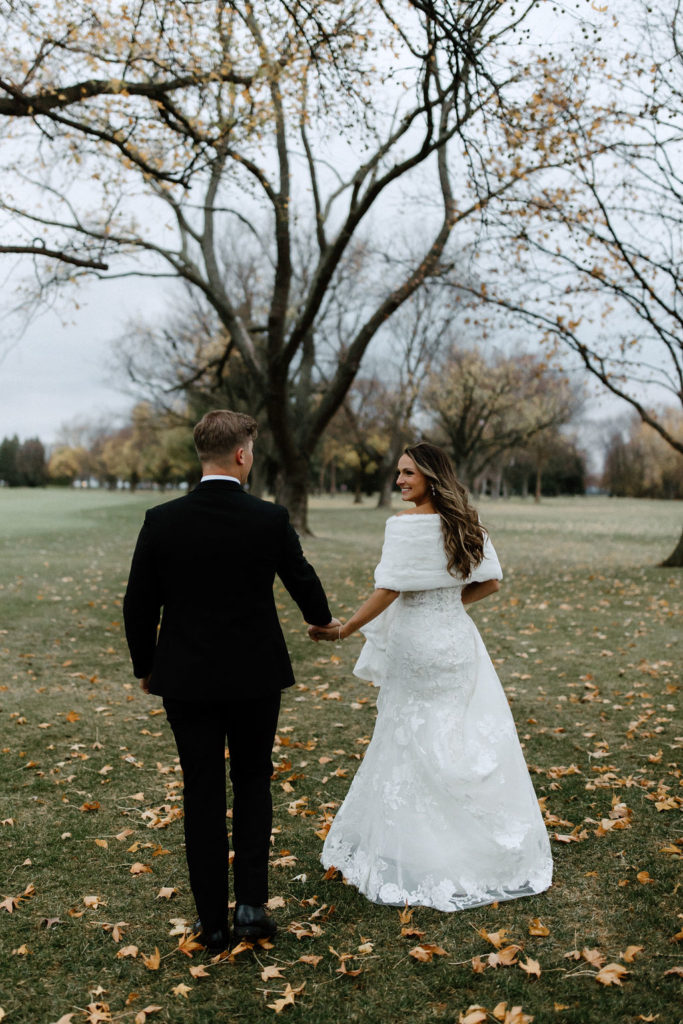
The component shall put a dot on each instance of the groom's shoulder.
(269, 510)
(168, 508)
(240, 502)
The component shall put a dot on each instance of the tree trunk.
(333, 477)
(256, 479)
(292, 492)
(358, 494)
(387, 478)
(675, 559)
(388, 474)
(537, 492)
(386, 487)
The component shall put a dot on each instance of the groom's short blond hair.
(221, 431)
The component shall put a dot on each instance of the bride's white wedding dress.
(442, 812)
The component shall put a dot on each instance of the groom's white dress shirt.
(220, 476)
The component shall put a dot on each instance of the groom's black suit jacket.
(209, 559)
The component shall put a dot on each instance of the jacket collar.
(217, 485)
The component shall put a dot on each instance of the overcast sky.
(58, 371)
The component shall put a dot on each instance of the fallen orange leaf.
(181, 989)
(93, 901)
(241, 947)
(473, 1015)
(199, 971)
(505, 957)
(531, 967)
(517, 1016)
(611, 974)
(593, 956)
(343, 969)
(495, 938)
(188, 944)
(426, 952)
(141, 1015)
(152, 961)
(126, 951)
(271, 971)
(311, 959)
(140, 869)
(287, 999)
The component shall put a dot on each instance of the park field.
(94, 900)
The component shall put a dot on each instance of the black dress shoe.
(251, 923)
(214, 941)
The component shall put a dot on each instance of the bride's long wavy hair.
(462, 531)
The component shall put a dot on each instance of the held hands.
(378, 601)
(328, 632)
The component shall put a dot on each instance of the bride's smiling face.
(412, 482)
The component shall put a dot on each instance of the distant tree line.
(506, 425)
(154, 447)
(22, 463)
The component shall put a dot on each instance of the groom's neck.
(222, 469)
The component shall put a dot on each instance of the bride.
(441, 812)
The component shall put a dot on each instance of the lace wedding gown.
(441, 812)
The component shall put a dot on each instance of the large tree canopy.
(266, 153)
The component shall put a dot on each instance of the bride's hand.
(328, 632)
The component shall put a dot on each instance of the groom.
(220, 661)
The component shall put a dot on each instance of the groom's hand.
(328, 632)
(144, 683)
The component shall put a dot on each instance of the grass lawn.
(93, 889)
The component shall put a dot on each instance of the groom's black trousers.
(201, 730)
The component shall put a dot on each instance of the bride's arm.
(476, 591)
(378, 601)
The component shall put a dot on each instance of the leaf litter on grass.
(587, 658)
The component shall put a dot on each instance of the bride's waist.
(447, 598)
